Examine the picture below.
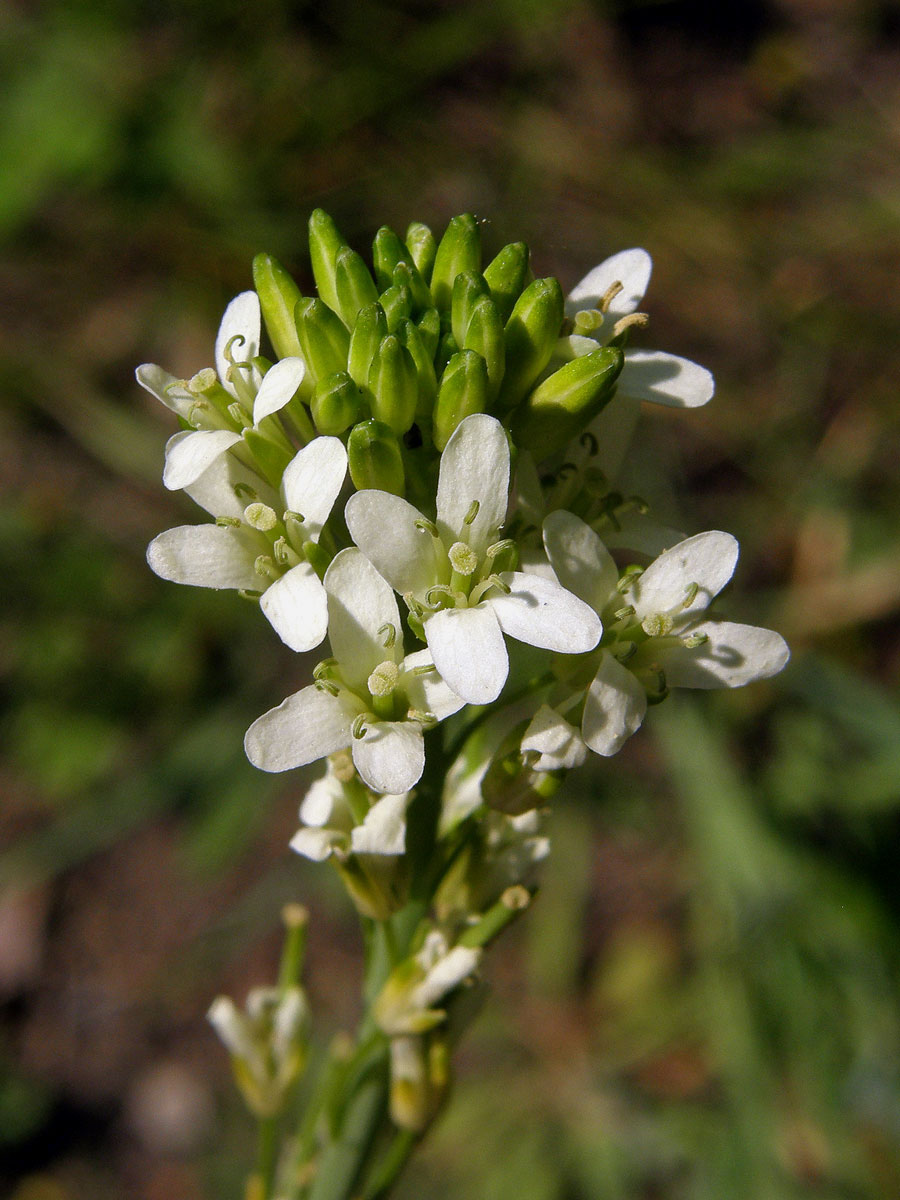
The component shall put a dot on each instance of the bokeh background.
(703, 1003)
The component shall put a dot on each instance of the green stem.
(267, 1156)
(388, 1169)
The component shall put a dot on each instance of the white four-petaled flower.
(446, 569)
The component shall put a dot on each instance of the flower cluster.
(423, 469)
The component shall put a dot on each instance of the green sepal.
(422, 248)
(353, 284)
(531, 334)
(507, 275)
(468, 288)
(337, 403)
(370, 329)
(464, 390)
(397, 305)
(325, 240)
(278, 296)
(387, 252)
(393, 382)
(566, 402)
(323, 336)
(484, 335)
(317, 557)
(374, 456)
(270, 455)
(459, 250)
(426, 379)
(429, 327)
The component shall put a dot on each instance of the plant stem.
(267, 1156)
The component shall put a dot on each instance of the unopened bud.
(393, 383)
(422, 248)
(325, 240)
(507, 275)
(370, 328)
(406, 275)
(531, 334)
(426, 380)
(568, 400)
(484, 335)
(375, 459)
(387, 252)
(468, 288)
(397, 305)
(459, 250)
(354, 286)
(429, 327)
(278, 296)
(464, 390)
(337, 403)
(324, 339)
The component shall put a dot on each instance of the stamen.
(265, 566)
(630, 575)
(285, 555)
(637, 319)
(695, 639)
(326, 685)
(609, 295)
(415, 606)
(463, 558)
(621, 613)
(479, 592)
(358, 728)
(657, 624)
(588, 441)
(500, 547)
(229, 354)
(388, 634)
(290, 515)
(197, 413)
(656, 676)
(441, 589)
(239, 415)
(690, 595)
(322, 669)
(622, 651)
(228, 522)
(249, 594)
(426, 719)
(425, 669)
(260, 516)
(426, 526)
(472, 513)
(244, 491)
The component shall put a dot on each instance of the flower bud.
(468, 288)
(387, 252)
(278, 296)
(464, 390)
(507, 275)
(459, 250)
(354, 286)
(325, 240)
(394, 385)
(375, 459)
(420, 1076)
(484, 335)
(324, 339)
(422, 247)
(406, 275)
(566, 402)
(429, 327)
(397, 305)
(426, 380)
(337, 403)
(531, 333)
(370, 329)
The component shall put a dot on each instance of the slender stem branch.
(388, 1169)
(267, 1156)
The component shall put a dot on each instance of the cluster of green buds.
(397, 356)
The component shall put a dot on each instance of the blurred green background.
(704, 1002)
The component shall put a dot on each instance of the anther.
(265, 566)
(621, 613)
(609, 295)
(284, 555)
(472, 513)
(290, 515)
(260, 516)
(622, 651)
(388, 634)
(244, 491)
(425, 669)
(322, 669)
(695, 639)
(637, 319)
(426, 526)
(228, 522)
(588, 441)
(426, 719)
(629, 576)
(239, 415)
(249, 594)
(690, 594)
(326, 685)
(587, 320)
(358, 728)
(229, 354)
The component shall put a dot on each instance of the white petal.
(165, 388)
(665, 379)
(558, 743)
(324, 804)
(542, 613)
(383, 830)
(306, 726)
(316, 844)
(469, 652)
(706, 559)
(297, 609)
(613, 709)
(474, 466)
(312, 480)
(581, 561)
(428, 692)
(214, 490)
(733, 656)
(241, 321)
(631, 268)
(384, 527)
(360, 604)
(390, 757)
(446, 974)
(204, 556)
(279, 385)
(190, 453)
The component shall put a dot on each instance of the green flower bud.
(426, 380)
(324, 339)
(370, 329)
(387, 252)
(337, 403)
(447, 347)
(375, 459)
(464, 390)
(507, 275)
(278, 296)
(407, 276)
(531, 333)
(422, 247)
(325, 240)
(468, 288)
(429, 326)
(566, 402)
(510, 785)
(394, 385)
(353, 284)
(459, 250)
(484, 335)
(397, 305)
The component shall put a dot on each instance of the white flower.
(329, 827)
(602, 305)
(221, 404)
(656, 622)
(445, 570)
(262, 539)
(368, 697)
(408, 1002)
